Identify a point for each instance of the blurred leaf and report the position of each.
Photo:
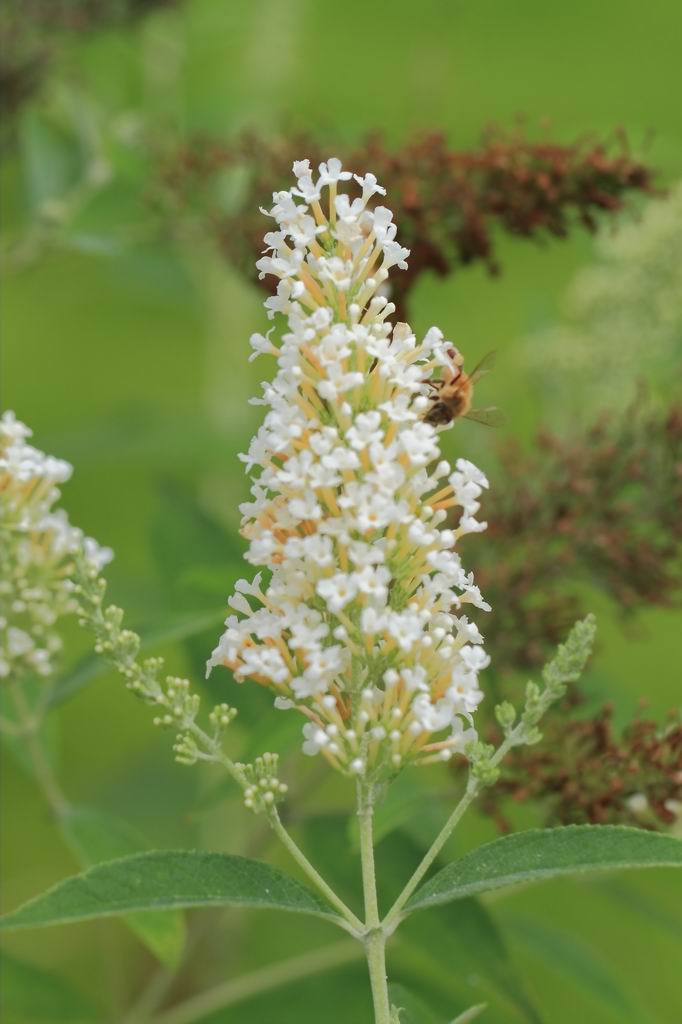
(50, 160)
(211, 581)
(98, 245)
(29, 991)
(334, 996)
(541, 854)
(299, 970)
(197, 558)
(278, 731)
(651, 910)
(96, 837)
(472, 941)
(567, 955)
(163, 880)
(413, 1009)
(471, 1014)
(186, 539)
(172, 629)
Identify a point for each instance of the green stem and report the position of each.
(42, 768)
(258, 981)
(375, 936)
(356, 925)
(392, 919)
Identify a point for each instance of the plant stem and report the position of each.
(375, 936)
(258, 981)
(393, 916)
(356, 925)
(39, 761)
(392, 919)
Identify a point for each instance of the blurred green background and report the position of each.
(127, 355)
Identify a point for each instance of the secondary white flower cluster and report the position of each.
(357, 620)
(36, 548)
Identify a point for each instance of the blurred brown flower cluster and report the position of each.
(31, 32)
(601, 508)
(447, 202)
(584, 770)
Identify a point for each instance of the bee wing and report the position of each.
(490, 417)
(483, 366)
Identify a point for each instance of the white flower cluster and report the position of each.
(36, 545)
(358, 618)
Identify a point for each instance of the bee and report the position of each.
(454, 394)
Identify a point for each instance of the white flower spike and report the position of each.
(358, 622)
(37, 545)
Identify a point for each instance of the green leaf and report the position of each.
(95, 837)
(164, 880)
(173, 629)
(29, 991)
(413, 1008)
(548, 853)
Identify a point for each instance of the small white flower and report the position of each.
(419, 444)
(316, 739)
(370, 187)
(366, 430)
(332, 172)
(373, 582)
(261, 344)
(474, 658)
(383, 225)
(337, 590)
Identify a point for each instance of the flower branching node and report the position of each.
(186, 750)
(505, 713)
(262, 788)
(221, 717)
(483, 768)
